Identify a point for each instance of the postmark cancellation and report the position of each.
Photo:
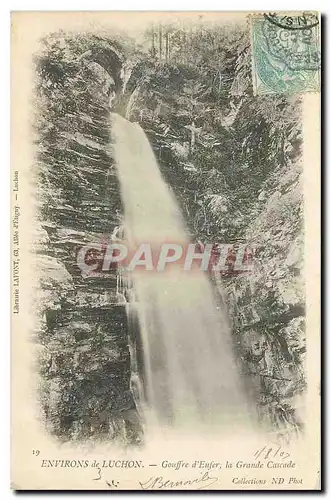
(286, 54)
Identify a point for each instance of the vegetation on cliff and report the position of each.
(232, 160)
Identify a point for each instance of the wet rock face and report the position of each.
(236, 177)
(239, 180)
(81, 335)
(111, 61)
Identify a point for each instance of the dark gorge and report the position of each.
(228, 183)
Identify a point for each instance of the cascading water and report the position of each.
(190, 374)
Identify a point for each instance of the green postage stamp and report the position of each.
(286, 54)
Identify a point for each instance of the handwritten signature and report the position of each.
(159, 482)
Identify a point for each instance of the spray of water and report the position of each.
(191, 376)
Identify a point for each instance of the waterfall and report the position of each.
(190, 371)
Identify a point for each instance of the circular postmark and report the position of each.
(293, 40)
(287, 51)
(304, 21)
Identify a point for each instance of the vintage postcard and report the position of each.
(165, 214)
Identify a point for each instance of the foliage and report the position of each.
(230, 157)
